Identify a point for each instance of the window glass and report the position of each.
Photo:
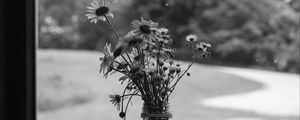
(252, 72)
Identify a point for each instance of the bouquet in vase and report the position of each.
(144, 58)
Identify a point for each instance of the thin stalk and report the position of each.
(121, 64)
(174, 77)
(128, 103)
(126, 60)
(146, 84)
(174, 85)
(131, 94)
(124, 94)
(117, 35)
(139, 87)
(143, 55)
(119, 71)
(129, 58)
(112, 26)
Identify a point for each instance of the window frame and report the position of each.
(18, 23)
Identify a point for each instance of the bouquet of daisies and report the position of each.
(144, 57)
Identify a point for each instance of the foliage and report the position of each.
(246, 33)
(261, 33)
(62, 25)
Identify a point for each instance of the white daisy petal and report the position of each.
(91, 8)
(111, 15)
(105, 2)
(154, 25)
(94, 4)
(100, 2)
(97, 4)
(88, 14)
(136, 23)
(91, 11)
(92, 20)
(89, 17)
(103, 19)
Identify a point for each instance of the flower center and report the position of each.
(145, 29)
(101, 11)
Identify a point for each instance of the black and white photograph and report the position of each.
(154, 60)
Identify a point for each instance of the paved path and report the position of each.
(82, 68)
(279, 96)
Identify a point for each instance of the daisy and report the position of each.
(144, 28)
(202, 46)
(162, 30)
(191, 38)
(128, 42)
(123, 41)
(118, 51)
(132, 41)
(115, 100)
(135, 41)
(100, 9)
(164, 39)
(150, 70)
(163, 54)
(107, 59)
(172, 69)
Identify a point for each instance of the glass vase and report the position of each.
(155, 112)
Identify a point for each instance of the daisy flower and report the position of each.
(164, 39)
(172, 69)
(150, 70)
(115, 100)
(143, 27)
(162, 30)
(108, 58)
(136, 41)
(202, 46)
(191, 38)
(128, 42)
(100, 9)
(123, 41)
(133, 41)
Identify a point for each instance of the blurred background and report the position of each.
(253, 73)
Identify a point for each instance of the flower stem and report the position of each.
(174, 85)
(131, 94)
(117, 35)
(119, 71)
(129, 58)
(112, 26)
(135, 92)
(123, 96)
(126, 60)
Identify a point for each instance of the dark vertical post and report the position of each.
(30, 59)
(2, 63)
(17, 60)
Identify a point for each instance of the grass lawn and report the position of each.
(69, 80)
